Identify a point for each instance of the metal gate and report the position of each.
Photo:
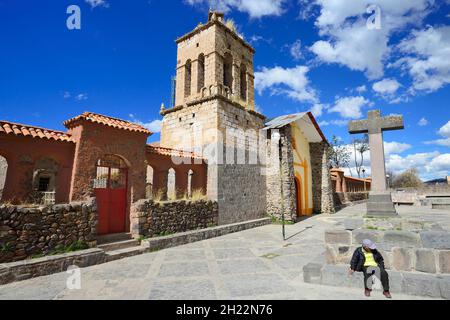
(110, 186)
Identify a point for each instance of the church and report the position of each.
(213, 141)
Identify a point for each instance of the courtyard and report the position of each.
(252, 264)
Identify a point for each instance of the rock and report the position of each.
(400, 239)
(444, 284)
(361, 234)
(330, 255)
(352, 224)
(425, 285)
(338, 237)
(425, 261)
(337, 276)
(312, 273)
(402, 259)
(444, 261)
(435, 239)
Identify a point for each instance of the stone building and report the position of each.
(212, 140)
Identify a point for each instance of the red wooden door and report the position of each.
(111, 193)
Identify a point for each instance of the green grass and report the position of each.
(6, 248)
(76, 246)
(276, 220)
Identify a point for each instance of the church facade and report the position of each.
(213, 140)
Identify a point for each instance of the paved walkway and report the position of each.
(252, 264)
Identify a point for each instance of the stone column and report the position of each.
(322, 188)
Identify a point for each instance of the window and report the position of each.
(44, 183)
(171, 186)
(228, 71)
(201, 73)
(243, 82)
(187, 78)
(3, 171)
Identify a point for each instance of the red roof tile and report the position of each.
(107, 121)
(172, 152)
(17, 129)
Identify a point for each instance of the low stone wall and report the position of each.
(344, 198)
(424, 251)
(27, 231)
(149, 218)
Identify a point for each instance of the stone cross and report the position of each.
(374, 126)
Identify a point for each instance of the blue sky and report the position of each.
(316, 54)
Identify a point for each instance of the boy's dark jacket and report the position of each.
(358, 259)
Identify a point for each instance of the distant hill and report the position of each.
(437, 181)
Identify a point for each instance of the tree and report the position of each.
(360, 146)
(408, 179)
(339, 156)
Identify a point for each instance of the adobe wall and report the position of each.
(22, 154)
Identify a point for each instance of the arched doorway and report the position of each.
(111, 186)
(298, 195)
(171, 185)
(3, 171)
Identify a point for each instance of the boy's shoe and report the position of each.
(367, 292)
(387, 294)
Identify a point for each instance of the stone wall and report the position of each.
(322, 188)
(27, 231)
(149, 218)
(426, 251)
(273, 179)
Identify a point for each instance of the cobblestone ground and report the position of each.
(253, 264)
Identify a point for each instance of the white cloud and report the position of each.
(66, 95)
(444, 131)
(317, 109)
(338, 123)
(97, 3)
(386, 86)
(81, 96)
(350, 107)
(296, 50)
(423, 122)
(292, 82)
(349, 42)
(395, 147)
(361, 89)
(254, 8)
(427, 59)
(154, 126)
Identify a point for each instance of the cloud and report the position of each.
(154, 126)
(338, 123)
(317, 109)
(444, 131)
(349, 42)
(361, 89)
(426, 60)
(386, 86)
(66, 95)
(422, 122)
(292, 82)
(350, 107)
(254, 8)
(97, 3)
(82, 97)
(296, 50)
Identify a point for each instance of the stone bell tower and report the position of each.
(214, 98)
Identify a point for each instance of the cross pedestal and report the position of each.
(380, 200)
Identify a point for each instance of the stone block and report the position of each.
(387, 256)
(425, 285)
(444, 261)
(312, 273)
(361, 234)
(353, 224)
(402, 259)
(444, 284)
(395, 238)
(330, 255)
(395, 281)
(435, 239)
(338, 237)
(337, 276)
(425, 261)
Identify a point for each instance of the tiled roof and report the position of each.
(172, 152)
(107, 121)
(17, 129)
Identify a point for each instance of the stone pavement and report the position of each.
(252, 264)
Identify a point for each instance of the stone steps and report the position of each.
(410, 283)
(124, 253)
(118, 245)
(113, 238)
